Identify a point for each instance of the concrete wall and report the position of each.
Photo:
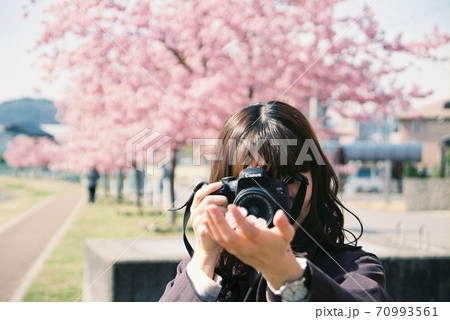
(426, 194)
(141, 281)
(128, 269)
(141, 274)
(418, 279)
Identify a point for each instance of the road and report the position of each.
(412, 233)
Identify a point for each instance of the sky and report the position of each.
(20, 75)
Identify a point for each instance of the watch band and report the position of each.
(307, 276)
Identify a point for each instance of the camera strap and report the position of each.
(187, 215)
(299, 197)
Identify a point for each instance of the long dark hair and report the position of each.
(274, 121)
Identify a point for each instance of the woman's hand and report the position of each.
(206, 250)
(266, 250)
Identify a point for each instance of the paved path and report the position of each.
(414, 233)
(24, 239)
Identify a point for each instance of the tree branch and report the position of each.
(180, 59)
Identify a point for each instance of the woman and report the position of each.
(239, 258)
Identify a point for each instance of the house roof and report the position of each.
(375, 151)
(435, 110)
(26, 129)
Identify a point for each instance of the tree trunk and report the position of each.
(173, 162)
(120, 186)
(138, 187)
(106, 184)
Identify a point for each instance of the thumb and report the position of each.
(280, 221)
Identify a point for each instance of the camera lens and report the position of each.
(257, 203)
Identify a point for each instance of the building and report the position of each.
(431, 125)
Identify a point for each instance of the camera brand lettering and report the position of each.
(252, 175)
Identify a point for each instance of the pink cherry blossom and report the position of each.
(181, 67)
(24, 151)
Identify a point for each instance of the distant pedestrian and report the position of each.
(92, 178)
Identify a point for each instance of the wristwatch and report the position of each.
(297, 290)
(293, 291)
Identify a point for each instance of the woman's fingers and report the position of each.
(197, 214)
(200, 226)
(204, 191)
(246, 227)
(215, 199)
(250, 227)
(203, 198)
(281, 222)
(251, 240)
(235, 221)
(220, 229)
(230, 218)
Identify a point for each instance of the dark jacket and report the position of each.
(92, 178)
(335, 275)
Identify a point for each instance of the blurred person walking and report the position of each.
(92, 177)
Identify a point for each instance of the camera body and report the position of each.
(259, 194)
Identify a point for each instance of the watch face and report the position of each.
(295, 291)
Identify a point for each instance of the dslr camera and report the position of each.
(254, 190)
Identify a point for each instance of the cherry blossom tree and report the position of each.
(181, 67)
(24, 151)
(188, 56)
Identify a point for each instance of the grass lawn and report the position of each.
(62, 275)
(24, 193)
